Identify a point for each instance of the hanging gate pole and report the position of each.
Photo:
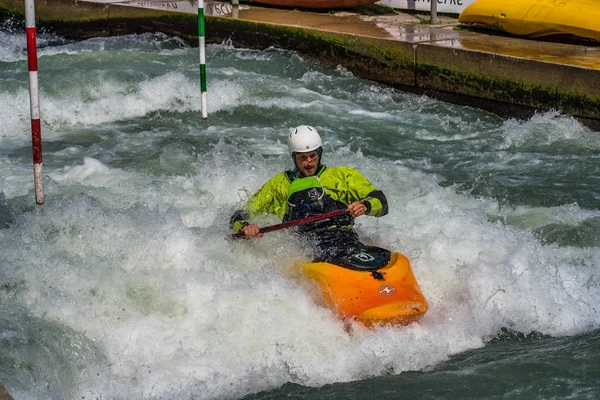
(202, 58)
(34, 101)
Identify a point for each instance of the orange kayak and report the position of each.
(371, 294)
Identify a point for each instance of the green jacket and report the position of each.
(344, 184)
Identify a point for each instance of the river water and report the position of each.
(122, 285)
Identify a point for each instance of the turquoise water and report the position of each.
(122, 285)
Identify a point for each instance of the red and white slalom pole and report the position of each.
(34, 101)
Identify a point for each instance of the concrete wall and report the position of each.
(433, 67)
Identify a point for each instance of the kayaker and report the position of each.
(309, 189)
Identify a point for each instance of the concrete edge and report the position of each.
(507, 86)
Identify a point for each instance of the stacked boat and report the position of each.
(537, 18)
(315, 4)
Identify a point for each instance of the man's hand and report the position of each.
(357, 209)
(252, 231)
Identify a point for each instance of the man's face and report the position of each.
(307, 162)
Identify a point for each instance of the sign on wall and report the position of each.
(443, 6)
(211, 8)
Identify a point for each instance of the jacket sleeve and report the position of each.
(376, 204)
(364, 191)
(271, 198)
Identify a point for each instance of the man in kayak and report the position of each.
(311, 189)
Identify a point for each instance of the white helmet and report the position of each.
(304, 138)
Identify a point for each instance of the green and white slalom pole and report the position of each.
(202, 58)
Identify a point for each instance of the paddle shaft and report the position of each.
(296, 222)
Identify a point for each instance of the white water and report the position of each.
(123, 285)
(174, 308)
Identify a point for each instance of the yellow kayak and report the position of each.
(373, 286)
(535, 18)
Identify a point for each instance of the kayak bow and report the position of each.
(373, 296)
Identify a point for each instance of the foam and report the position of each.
(194, 309)
(126, 277)
(550, 128)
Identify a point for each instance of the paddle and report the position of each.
(289, 224)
